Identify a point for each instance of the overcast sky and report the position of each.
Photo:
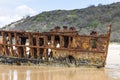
(13, 10)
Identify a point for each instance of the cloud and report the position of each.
(25, 10)
(114, 0)
(10, 15)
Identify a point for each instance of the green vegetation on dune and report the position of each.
(85, 20)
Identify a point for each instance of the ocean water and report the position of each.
(110, 72)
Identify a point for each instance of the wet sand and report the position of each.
(110, 72)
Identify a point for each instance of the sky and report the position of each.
(13, 10)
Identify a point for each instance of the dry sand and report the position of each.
(110, 72)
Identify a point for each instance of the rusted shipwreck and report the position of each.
(63, 46)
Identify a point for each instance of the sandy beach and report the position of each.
(110, 72)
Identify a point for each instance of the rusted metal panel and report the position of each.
(57, 44)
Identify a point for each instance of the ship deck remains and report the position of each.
(64, 45)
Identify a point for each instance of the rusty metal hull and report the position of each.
(65, 46)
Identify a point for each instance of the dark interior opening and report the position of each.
(35, 49)
(34, 41)
(93, 43)
(71, 38)
(21, 49)
(49, 38)
(41, 42)
(23, 40)
(57, 40)
(66, 41)
(41, 52)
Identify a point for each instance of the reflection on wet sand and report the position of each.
(52, 73)
(28, 75)
(110, 72)
(69, 74)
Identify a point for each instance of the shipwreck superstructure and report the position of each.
(62, 45)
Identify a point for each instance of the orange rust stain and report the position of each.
(1, 40)
(1, 43)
